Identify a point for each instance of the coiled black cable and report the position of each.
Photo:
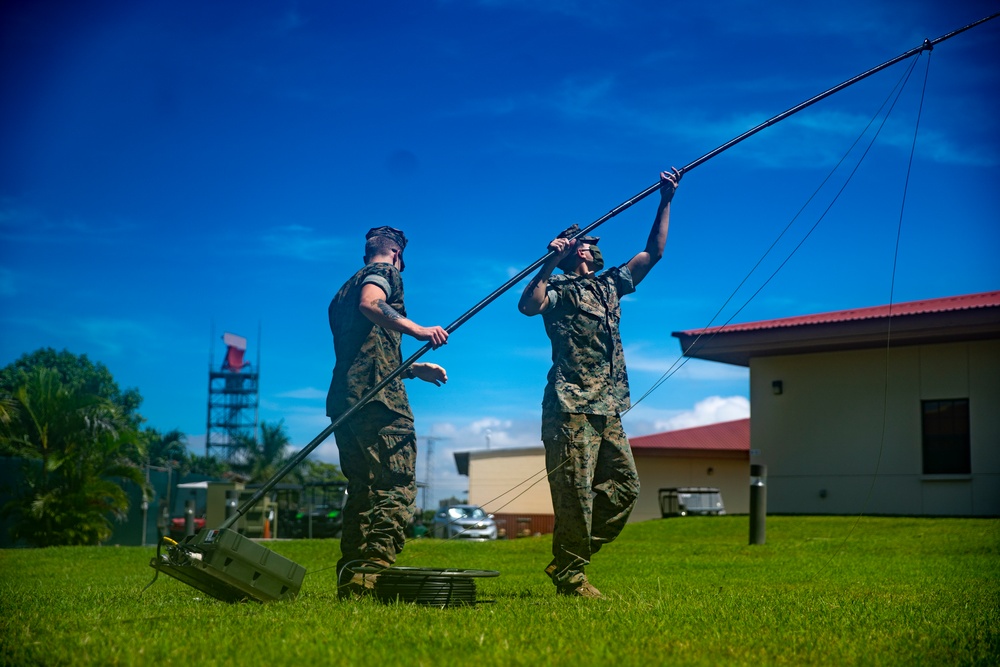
(429, 586)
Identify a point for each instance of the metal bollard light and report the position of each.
(189, 517)
(758, 503)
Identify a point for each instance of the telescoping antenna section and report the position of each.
(227, 566)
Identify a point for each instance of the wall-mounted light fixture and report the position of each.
(777, 387)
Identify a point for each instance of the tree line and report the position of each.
(78, 438)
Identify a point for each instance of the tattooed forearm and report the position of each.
(386, 309)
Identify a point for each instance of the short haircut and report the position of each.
(380, 245)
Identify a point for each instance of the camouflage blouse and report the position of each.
(366, 353)
(588, 366)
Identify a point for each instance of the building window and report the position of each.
(946, 437)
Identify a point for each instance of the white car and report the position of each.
(464, 522)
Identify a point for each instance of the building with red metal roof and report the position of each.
(951, 319)
(892, 409)
(716, 455)
(723, 440)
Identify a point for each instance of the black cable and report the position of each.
(155, 570)
(428, 586)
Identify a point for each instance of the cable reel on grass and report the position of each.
(432, 587)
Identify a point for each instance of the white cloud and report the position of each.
(293, 229)
(693, 369)
(637, 360)
(305, 393)
(438, 441)
(942, 149)
(711, 410)
(448, 436)
(699, 370)
(817, 138)
(303, 423)
(472, 434)
(196, 443)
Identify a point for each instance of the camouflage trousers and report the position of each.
(594, 487)
(378, 455)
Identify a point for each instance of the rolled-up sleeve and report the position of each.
(553, 297)
(625, 283)
(378, 281)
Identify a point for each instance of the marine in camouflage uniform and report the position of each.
(377, 443)
(592, 475)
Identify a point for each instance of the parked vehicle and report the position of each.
(322, 521)
(178, 527)
(464, 522)
(691, 501)
(319, 513)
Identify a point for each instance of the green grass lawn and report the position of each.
(830, 590)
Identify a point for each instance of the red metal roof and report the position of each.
(947, 304)
(731, 436)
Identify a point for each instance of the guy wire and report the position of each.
(541, 474)
(897, 89)
(888, 330)
(670, 371)
(299, 456)
(927, 46)
(681, 360)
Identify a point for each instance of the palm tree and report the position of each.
(75, 444)
(316, 472)
(166, 448)
(211, 466)
(261, 460)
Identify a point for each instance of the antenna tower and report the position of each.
(233, 399)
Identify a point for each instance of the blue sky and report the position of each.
(171, 171)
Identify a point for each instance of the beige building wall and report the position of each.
(215, 503)
(509, 481)
(730, 476)
(494, 474)
(834, 427)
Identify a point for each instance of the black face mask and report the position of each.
(598, 263)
